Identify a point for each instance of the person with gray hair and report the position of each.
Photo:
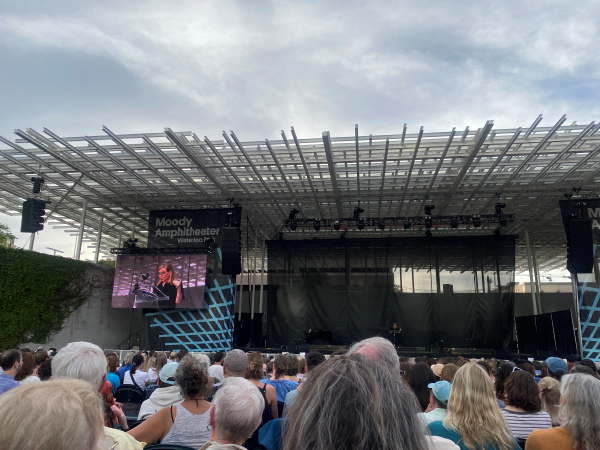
(235, 413)
(578, 414)
(377, 349)
(350, 403)
(126, 364)
(86, 361)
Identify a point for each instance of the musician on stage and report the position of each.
(393, 333)
(168, 285)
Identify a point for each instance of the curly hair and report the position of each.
(255, 366)
(193, 379)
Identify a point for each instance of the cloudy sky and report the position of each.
(257, 67)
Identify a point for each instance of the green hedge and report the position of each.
(38, 292)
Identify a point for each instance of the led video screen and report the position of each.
(157, 281)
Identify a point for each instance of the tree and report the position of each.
(6, 237)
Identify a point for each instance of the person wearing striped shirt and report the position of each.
(523, 410)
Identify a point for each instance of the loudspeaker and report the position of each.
(231, 251)
(580, 257)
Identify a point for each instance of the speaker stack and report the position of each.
(580, 256)
(231, 251)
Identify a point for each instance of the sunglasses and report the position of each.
(515, 369)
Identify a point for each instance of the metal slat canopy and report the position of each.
(122, 177)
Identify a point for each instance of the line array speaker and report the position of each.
(231, 251)
(580, 256)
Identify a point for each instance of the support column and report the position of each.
(262, 278)
(81, 228)
(578, 318)
(120, 244)
(538, 286)
(98, 240)
(253, 280)
(31, 239)
(133, 232)
(241, 295)
(530, 267)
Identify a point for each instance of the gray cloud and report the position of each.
(259, 67)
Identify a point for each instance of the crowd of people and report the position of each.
(364, 397)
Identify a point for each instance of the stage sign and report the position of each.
(188, 227)
(159, 281)
(587, 209)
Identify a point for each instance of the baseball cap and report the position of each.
(557, 365)
(236, 361)
(168, 371)
(441, 390)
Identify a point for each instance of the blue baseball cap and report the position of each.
(441, 390)
(557, 365)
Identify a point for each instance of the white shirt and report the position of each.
(439, 443)
(30, 379)
(152, 374)
(139, 377)
(216, 371)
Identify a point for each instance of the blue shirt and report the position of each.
(438, 429)
(7, 383)
(113, 378)
(282, 387)
(122, 371)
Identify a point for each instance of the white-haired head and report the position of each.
(237, 410)
(203, 359)
(377, 349)
(81, 360)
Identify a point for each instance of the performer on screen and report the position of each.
(168, 285)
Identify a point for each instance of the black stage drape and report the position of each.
(442, 291)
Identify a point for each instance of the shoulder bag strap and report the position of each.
(133, 380)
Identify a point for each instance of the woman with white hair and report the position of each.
(61, 414)
(579, 415)
(235, 413)
(474, 421)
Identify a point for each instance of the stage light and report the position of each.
(343, 235)
(337, 225)
(476, 220)
(454, 222)
(499, 207)
(428, 209)
(503, 220)
(428, 221)
(293, 213)
(406, 225)
(317, 225)
(381, 224)
(360, 224)
(293, 224)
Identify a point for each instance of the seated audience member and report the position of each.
(112, 375)
(557, 367)
(550, 398)
(422, 376)
(235, 364)
(235, 413)
(167, 393)
(589, 363)
(270, 368)
(63, 414)
(292, 372)
(159, 361)
(438, 401)
(45, 370)
(313, 359)
(301, 368)
(406, 372)
(437, 371)
(173, 357)
(502, 373)
(40, 356)
(11, 362)
(279, 382)
(448, 372)
(135, 376)
(216, 370)
(378, 349)
(203, 359)
(579, 413)
(579, 368)
(126, 365)
(523, 410)
(254, 375)
(474, 421)
(87, 362)
(353, 403)
(185, 423)
(28, 372)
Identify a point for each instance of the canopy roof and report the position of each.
(122, 177)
